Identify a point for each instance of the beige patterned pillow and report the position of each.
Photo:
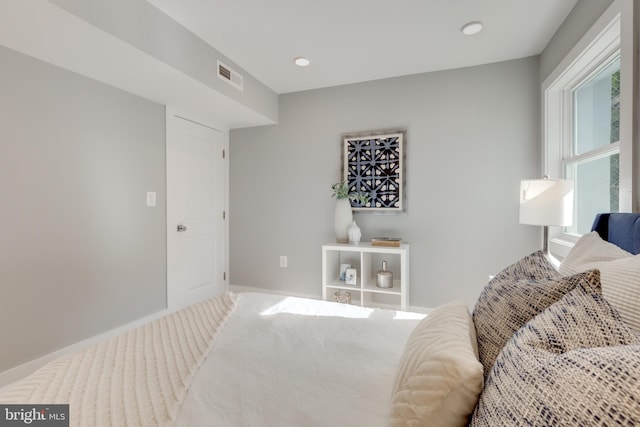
(533, 266)
(506, 304)
(574, 364)
(439, 377)
(619, 274)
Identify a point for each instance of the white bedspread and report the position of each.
(137, 378)
(284, 361)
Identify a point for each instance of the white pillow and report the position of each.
(439, 377)
(619, 274)
(589, 249)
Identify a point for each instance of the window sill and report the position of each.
(560, 245)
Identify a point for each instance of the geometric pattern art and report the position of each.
(373, 164)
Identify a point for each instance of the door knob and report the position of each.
(182, 228)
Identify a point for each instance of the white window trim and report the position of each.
(613, 31)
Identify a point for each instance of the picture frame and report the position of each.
(343, 271)
(351, 277)
(373, 163)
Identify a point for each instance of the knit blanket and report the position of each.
(138, 378)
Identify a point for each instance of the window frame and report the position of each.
(614, 33)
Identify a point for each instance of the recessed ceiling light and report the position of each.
(471, 28)
(301, 61)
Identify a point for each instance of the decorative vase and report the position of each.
(354, 233)
(342, 219)
(384, 278)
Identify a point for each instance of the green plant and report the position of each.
(341, 191)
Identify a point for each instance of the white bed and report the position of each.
(284, 361)
(236, 360)
(265, 360)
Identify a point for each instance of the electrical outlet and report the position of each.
(283, 261)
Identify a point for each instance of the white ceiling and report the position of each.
(351, 41)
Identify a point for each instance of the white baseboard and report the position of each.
(14, 374)
(239, 289)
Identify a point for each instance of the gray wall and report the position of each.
(472, 135)
(79, 253)
(584, 14)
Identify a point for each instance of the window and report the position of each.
(588, 122)
(593, 153)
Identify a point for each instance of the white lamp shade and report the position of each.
(546, 202)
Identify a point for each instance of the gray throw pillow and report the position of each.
(576, 363)
(514, 297)
(533, 266)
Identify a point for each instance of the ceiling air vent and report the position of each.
(230, 75)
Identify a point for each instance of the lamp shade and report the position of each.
(546, 202)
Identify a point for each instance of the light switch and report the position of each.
(151, 198)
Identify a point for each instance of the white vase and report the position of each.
(342, 219)
(354, 233)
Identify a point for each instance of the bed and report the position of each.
(534, 337)
(284, 361)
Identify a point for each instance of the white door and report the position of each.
(196, 183)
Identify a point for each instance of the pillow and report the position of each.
(619, 274)
(533, 266)
(439, 377)
(588, 249)
(506, 304)
(576, 363)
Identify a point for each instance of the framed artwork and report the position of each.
(374, 164)
(343, 270)
(351, 276)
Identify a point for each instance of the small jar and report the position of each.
(354, 233)
(384, 278)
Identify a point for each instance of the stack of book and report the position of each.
(393, 242)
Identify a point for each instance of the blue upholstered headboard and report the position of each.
(621, 229)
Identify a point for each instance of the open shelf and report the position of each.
(367, 260)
